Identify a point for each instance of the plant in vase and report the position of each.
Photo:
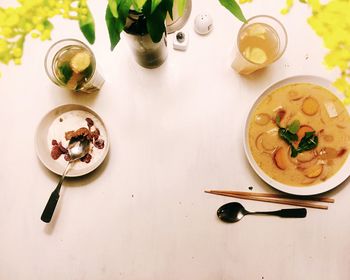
(145, 23)
(33, 18)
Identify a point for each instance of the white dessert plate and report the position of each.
(53, 127)
(324, 186)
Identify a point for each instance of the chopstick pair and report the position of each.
(276, 198)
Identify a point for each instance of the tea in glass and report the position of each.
(71, 64)
(261, 41)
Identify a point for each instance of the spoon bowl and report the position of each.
(233, 212)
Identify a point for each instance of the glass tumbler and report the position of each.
(70, 64)
(261, 41)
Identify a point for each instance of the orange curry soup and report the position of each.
(314, 111)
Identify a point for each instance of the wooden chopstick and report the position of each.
(287, 201)
(276, 195)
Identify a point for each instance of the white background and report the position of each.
(174, 132)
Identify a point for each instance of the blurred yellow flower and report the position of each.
(331, 21)
(31, 17)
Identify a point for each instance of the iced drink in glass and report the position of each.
(71, 64)
(261, 41)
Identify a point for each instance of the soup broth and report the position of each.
(299, 134)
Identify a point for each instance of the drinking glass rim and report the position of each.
(57, 81)
(262, 16)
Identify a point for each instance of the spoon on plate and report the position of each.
(77, 148)
(233, 212)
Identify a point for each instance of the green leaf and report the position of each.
(287, 136)
(294, 126)
(138, 4)
(234, 8)
(113, 28)
(116, 25)
(278, 120)
(87, 27)
(308, 142)
(181, 4)
(66, 72)
(155, 21)
(293, 152)
(168, 5)
(113, 7)
(155, 4)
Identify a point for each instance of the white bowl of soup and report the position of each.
(297, 136)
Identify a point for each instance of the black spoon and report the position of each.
(232, 212)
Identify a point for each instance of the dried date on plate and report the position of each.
(63, 149)
(99, 144)
(95, 134)
(56, 152)
(89, 122)
(92, 136)
(87, 158)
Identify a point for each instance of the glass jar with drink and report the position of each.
(260, 41)
(71, 64)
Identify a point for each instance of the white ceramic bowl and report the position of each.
(43, 139)
(327, 185)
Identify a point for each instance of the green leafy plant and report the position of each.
(154, 11)
(32, 17)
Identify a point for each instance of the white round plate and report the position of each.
(327, 185)
(54, 125)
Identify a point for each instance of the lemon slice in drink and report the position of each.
(255, 55)
(257, 30)
(80, 62)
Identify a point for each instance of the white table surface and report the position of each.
(174, 132)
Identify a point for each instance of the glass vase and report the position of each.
(147, 53)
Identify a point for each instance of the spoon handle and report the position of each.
(51, 205)
(52, 202)
(287, 213)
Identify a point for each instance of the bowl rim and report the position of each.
(327, 185)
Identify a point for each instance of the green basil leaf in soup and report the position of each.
(287, 136)
(308, 142)
(294, 152)
(294, 126)
(278, 120)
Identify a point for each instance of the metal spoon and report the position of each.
(232, 212)
(77, 148)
